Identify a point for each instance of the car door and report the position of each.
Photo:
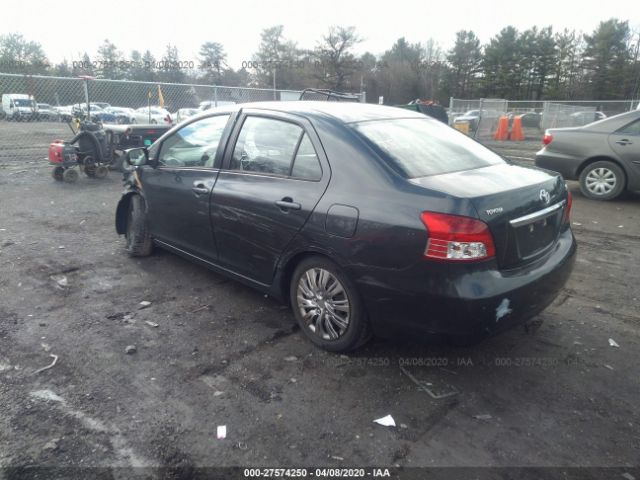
(177, 190)
(274, 174)
(626, 143)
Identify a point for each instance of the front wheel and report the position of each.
(137, 234)
(603, 180)
(58, 173)
(327, 306)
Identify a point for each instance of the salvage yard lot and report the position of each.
(554, 394)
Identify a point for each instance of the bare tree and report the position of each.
(334, 57)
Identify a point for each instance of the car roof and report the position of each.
(344, 112)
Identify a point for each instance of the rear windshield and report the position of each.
(421, 147)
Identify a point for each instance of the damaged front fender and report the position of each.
(132, 187)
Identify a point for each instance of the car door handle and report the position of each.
(623, 142)
(200, 188)
(287, 204)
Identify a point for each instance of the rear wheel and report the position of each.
(603, 180)
(101, 171)
(327, 306)
(137, 234)
(70, 175)
(89, 166)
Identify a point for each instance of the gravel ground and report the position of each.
(211, 352)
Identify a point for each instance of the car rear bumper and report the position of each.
(465, 301)
(566, 165)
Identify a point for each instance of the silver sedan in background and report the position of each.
(604, 156)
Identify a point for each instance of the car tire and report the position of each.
(317, 287)
(70, 175)
(137, 234)
(101, 171)
(602, 180)
(57, 173)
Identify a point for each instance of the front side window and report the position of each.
(422, 147)
(266, 145)
(194, 145)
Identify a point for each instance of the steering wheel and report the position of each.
(171, 161)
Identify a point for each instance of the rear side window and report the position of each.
(306, 165)
(266, 145)
(631, 129)
(422, 147)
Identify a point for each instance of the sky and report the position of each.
(66, 29)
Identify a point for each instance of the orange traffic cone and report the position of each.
(502, 132)
(516, 131)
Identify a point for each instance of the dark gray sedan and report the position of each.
(604, 156)
(365, 219)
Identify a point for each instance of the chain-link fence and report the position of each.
(36, 109)
(477, 117)
(556, 115)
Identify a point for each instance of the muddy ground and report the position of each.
(554, 395)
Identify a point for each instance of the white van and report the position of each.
(19, 106)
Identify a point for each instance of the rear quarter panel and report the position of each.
(570, 148)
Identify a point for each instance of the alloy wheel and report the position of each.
(323, 303)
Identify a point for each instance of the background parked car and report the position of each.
(65, 113)
(584, 118)
(473, 118)
(529, 119)
(97, 113)
(604, 156)
(184, 113)
(207, 104)
(123, 115)
(152, 115)
(46, 112)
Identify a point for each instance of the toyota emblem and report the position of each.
(545, 196)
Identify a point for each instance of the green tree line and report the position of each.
(534, 64)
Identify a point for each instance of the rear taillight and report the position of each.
(546, 140)
(457, 238)
(566, 217)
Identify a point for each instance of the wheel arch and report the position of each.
(122, 210)
(289, 264)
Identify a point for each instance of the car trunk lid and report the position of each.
(523, 207)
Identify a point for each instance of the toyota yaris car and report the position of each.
(366, 219)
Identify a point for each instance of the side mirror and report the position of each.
(136, 157)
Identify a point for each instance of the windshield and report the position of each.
(22, 102)
(421, 147)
